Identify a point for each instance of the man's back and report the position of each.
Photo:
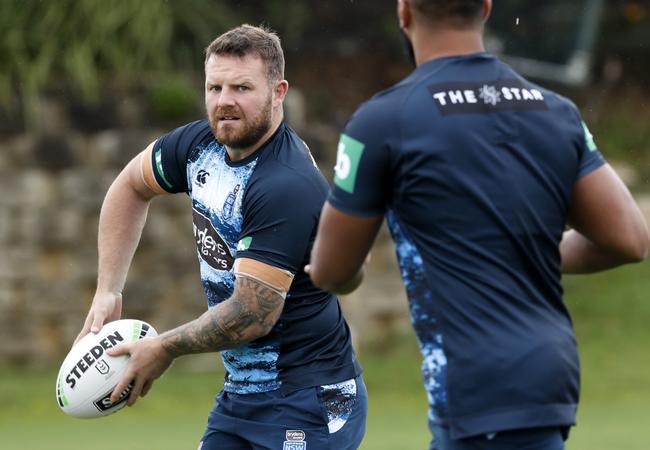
(478, 173)
(479, 166)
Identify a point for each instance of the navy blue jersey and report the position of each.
(265, 207)
(474, 167)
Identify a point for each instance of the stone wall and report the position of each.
(52, 188)
(50, 204)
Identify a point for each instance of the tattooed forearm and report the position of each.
(249, 313)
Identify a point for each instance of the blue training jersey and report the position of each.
(474, 168)
(265, 207)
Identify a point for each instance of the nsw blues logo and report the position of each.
(294, 445)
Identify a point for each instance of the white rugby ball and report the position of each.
(88, 375)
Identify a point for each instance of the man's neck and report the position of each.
(446, 42)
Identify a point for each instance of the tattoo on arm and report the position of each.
(249, 313)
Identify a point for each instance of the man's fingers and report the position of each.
(307, 268)
(98, 323)
(146, 387)
(125, 382)
(136, 391)
(122, 349)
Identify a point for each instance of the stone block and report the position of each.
(37, 188)
(10, 186)
(85, 189)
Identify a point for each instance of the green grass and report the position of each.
(610, 312)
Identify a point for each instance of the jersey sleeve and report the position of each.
(279, 220)
(361, 184)
(169, 155)
(591, 158)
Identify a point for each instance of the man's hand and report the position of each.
(106, 307)
(148, 362)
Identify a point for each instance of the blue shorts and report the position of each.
(527, 439)
(318, 418)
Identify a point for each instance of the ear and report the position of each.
(279, 91)
(404, 13)
(487, 9)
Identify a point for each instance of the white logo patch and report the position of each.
(486, 96)
(295, 440)
(295, 435)
(489, 94)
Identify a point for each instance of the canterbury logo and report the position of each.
(202, 176)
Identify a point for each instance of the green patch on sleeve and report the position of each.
(347, 162)
(244, 243)
(589, 138)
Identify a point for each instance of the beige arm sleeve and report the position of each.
(274, 277)
(146, 169)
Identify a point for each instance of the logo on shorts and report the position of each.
(295, 440)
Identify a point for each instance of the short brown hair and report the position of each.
(250, 40)
(457, 12)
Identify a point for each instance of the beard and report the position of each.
(246, 132)
(408, 47)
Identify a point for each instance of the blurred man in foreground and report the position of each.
(478, 172)
(292, 378)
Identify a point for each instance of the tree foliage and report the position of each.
(92, 47)
(91, 44)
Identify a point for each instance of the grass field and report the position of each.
(610, 312)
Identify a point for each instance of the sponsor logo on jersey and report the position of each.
(589, 138)
(212, 248)
(295, 440)
(478, 97)
(89, 359)
(201, 177)
(348, 156)
(244, 243)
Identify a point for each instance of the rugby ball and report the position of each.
(88, 375)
